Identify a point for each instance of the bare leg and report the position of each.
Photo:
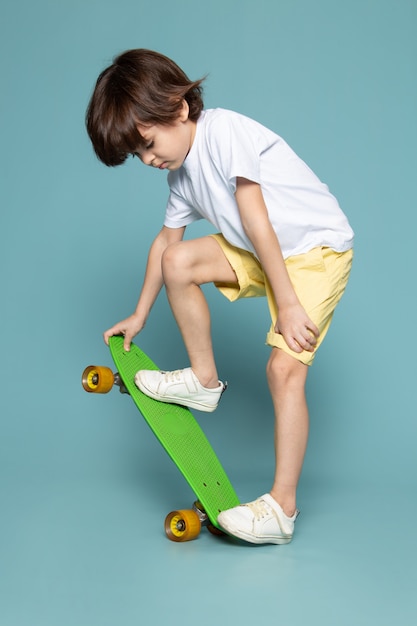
(187, 265)
(286, 378)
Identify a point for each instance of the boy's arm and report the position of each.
(151, 287)
(293, 323)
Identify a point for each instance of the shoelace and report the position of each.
(260, 509)
(171, 377)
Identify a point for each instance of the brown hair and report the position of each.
(140, 86)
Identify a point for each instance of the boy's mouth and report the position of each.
(161, 166)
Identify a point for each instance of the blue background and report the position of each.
(84, 487)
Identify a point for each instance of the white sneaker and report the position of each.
(261, 521)
(179, 387)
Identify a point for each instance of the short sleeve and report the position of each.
(178, 211)
(236, 144)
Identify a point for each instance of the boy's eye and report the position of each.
(139, 152)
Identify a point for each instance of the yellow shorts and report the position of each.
(319, 278)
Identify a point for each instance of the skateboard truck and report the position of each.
(198, 508)
(118, 381)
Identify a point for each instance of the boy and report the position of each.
(281, 234)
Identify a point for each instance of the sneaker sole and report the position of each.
(255, 538)
(173, 400)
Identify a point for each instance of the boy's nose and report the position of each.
(147, 159)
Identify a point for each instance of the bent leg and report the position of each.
(186, 265)
(286, 379)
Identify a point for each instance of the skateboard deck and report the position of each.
(181, 436)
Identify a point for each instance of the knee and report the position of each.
(173, 262)
(285, 371)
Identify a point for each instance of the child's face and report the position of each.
(167, 146)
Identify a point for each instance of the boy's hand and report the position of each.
(129, 327)
(299, 332)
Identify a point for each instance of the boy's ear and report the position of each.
(184, 112)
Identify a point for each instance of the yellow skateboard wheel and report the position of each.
(97, 379)
(182, 525)
(215, 531)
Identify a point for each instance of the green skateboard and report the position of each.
(179, 434)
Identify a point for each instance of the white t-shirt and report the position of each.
(226, 145)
